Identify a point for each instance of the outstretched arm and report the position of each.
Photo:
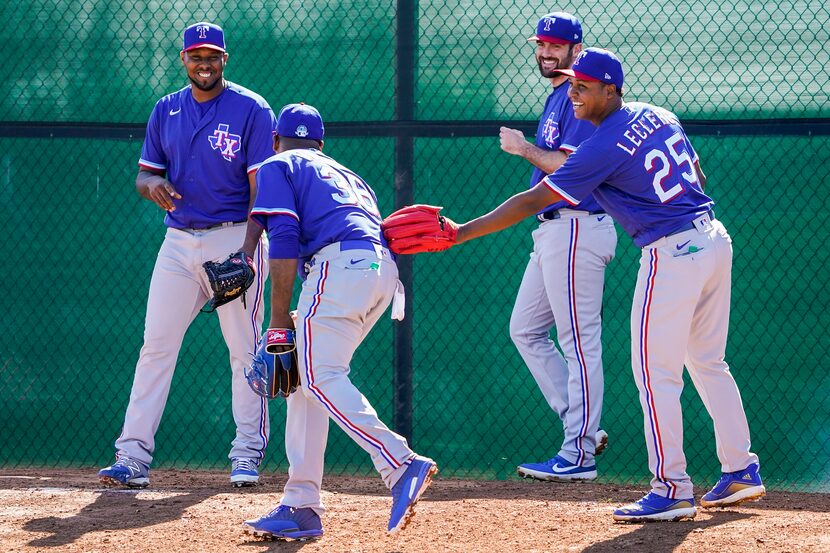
(515, 209)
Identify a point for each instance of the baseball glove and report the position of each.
(229, 279)
(419, 228)
(274, 370)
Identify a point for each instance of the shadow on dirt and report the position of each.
(659, 537)
(281, 546)
(113, 510)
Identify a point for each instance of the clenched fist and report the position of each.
(512, 141)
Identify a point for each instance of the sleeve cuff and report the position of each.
(568, 198)
(274, 211)
(258, 219)
(151, 165)
(255, 167)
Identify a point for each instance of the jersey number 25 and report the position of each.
(665, 169)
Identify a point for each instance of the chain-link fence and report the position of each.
(750, 82)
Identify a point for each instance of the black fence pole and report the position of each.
(406, 60)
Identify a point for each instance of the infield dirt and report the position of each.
(199, 511)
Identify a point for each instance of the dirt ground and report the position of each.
(199, 511)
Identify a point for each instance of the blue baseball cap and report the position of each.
(596, 64)
(204, 35)
(558, 28)
(300, 121)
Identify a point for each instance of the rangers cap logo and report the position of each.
(558, 28)
(203, 35)
(300, 121)
(596, 64)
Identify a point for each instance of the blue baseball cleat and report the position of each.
(244, 472)
(125, 472)
(407, 491)
(736, 487)
(286, 522)
(557, 470)
(654, 508)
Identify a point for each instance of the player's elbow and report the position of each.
(539, 197)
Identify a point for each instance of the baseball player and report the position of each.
(642, 169)
(203, 147)
(563, 282)
(322, 213)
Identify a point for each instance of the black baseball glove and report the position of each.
(229, 279)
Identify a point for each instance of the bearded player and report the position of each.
(564, 278)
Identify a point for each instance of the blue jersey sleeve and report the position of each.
(152, 154)
(261, 138)
(584, 170)
(275, 209)
(284, 237)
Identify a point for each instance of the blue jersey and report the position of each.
(559, 129)
(306, 201)
(207, 150)
(639, 164)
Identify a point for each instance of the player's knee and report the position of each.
(312, 391)
(519, 332)
(157, 347)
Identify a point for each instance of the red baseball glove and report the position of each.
(418, 228)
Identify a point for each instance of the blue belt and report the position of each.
(691, 224)
(346, 245)
(552, 214)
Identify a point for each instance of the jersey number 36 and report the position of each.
(351, 189)
(656, 160)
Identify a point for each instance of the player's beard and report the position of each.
(560, 64)
(205, 87)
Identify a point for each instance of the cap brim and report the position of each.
(204, 45)
(577, 75)
(550, 39)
